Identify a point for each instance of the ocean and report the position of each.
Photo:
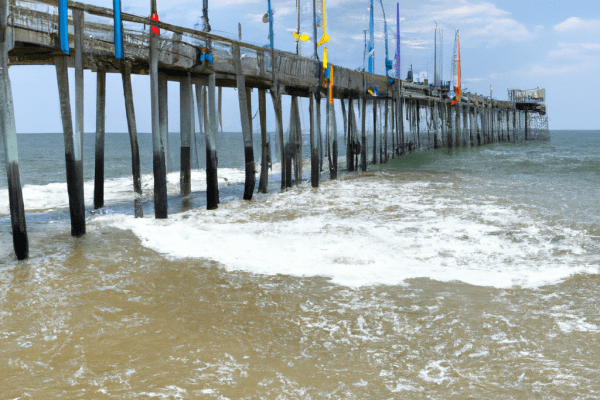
(470, 273)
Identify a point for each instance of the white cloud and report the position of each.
(575, 23)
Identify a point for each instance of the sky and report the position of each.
(506, 44)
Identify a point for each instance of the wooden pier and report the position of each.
(75, 35)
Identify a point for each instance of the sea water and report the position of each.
(469, 273)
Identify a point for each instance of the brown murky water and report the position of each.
(470, 275)
(105, 316)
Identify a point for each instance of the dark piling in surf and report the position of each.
(375, 105)
(212, 183)
(363, 152)
(133, 139)
(73, 154)
(246, 125)
(314, 148)
(158, 99)
(263, 183)
(7, 119)
(185, 132)
(100, 139)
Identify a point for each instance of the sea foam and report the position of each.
(373, 230)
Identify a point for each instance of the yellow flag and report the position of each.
(323, 40)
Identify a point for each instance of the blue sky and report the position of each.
(521, 44)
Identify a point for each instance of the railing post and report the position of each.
(63, 26)
(118, 29)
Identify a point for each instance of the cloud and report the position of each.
(575, 23)
(570, 50)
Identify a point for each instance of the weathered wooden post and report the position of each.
(385, 131)
(100, 138)
(345, 120)
(163, 110)
(350, 142)
(363, 150)
(418, 122)
(73, 145)
(314, 148)
(318, 131)
(375, 105)
(394, 128)
(507, 125)
(246, 127)
(133, 140)
(11, 154)
(185, 131)
(212, 183)
(526, 124)
(264, 163)
(514, 123)
(400, 117)
(332, 130)
(277, 106)
(295, 141)
(465, 126)
(157, 98)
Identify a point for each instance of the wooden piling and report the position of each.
(11, 154)
(363, 150)
(133, 140)
(514, 124)
(157, 97)
(185, 132)
(276, 99)
(350, 143)
(100, 138)
(526, 125)
(314, 148)
(394, 128)
(212, 183)
(318, 131)
(264, 164)
(78, 21)
(163, 110)
(246, 125)
(385, 131)
(295, 140)
(73, 153)
(332, 132)
(375, 105)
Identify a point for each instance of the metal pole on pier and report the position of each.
(11, 154)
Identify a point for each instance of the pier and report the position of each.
(415, 117)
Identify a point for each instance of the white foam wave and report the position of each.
(54, 196)
(369, 231)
